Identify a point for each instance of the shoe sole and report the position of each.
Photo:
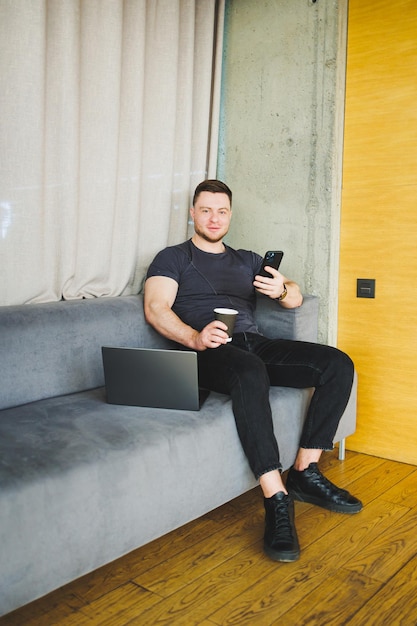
(282, 557)
(331, 506)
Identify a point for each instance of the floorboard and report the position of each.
(354, 569)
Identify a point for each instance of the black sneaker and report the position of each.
(311, 486)
(280, 539)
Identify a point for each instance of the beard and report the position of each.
(215, 238)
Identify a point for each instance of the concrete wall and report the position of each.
(281, 136)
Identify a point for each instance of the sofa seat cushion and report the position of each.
(54, 435)
(83, 482)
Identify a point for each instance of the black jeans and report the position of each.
(245, 369)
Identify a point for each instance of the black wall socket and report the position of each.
(365, 288)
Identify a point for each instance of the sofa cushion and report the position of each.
(83, 482)
(54, 349)
(276, 322)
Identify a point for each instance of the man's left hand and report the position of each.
(278, 284)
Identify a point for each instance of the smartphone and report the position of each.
(272, 258)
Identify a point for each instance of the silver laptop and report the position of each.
(156, 378)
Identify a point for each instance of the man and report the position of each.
(184, 284)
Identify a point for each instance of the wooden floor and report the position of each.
(354, 569)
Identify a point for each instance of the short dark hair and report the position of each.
(213, 186)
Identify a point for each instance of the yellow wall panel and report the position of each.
(379, 224)
(381, 137)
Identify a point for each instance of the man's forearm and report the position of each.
(168, 324)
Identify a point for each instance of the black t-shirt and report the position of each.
(206, 281)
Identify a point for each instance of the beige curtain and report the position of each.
(108, 120)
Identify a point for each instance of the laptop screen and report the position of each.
(151, 377)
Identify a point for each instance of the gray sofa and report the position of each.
(83, 482)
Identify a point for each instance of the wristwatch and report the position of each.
(284, 294)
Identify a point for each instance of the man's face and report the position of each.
(211, 215)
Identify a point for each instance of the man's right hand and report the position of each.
(212, 336)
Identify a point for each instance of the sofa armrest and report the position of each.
(278, 323)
